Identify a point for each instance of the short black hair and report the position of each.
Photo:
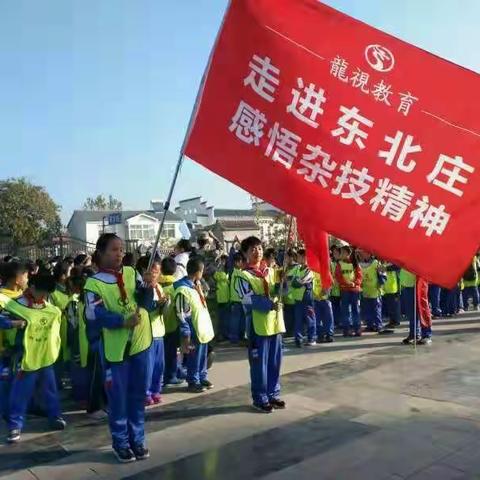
(43, 282)
(238, 257)
(270, 253)
(80, 259)
(185, 245)
(168, 266)
(194, 265)
(292, 253)
(302, 252)
(10, 270)
(202, 242)
(128, 259)
(250, 242)
(103, 240)
(60, 269)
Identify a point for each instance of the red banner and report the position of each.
(370, 138)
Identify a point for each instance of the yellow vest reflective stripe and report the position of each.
(156, 318)
(61, 300)
(348, 272)
(318, 288)
(391, 284)
(234, 297)
(407, 279)
(370, 284)
(222, 287)
(264, 323)
(115, 340)
(41, 338)
(82, 334)
(201, 320)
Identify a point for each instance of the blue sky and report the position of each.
(95, 95)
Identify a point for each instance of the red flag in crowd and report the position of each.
(348, 128)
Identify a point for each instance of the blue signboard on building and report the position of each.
(115, 218)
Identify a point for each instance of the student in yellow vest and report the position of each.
(264, 328)
(335, 254)
(120, 326)
(222, 293)
(323, 311)
(156, 365)
(196, 328)
(173, 374)
(237, 322)
(40, 331)
(408, 283)
(61, 298)
(391, 297)
(14, 280)
(470, 285)
(291, 265)
(372, 281)
(86, 367)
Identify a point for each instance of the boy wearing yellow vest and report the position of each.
(391, 297)
(222, 293)
(470, 285)
(264, 328)
(373, 279)
(196, 328)
(237, 323)
(118, 321)
(39, 324)
(302, 286)
(14, 278)
(335, 292)
(323, 311)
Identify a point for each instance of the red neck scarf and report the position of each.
(31, 301)
(120, 282)
(261, 272)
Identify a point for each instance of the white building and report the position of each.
(139, 225)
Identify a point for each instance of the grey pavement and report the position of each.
(366, 408)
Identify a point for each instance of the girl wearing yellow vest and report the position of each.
(264, 328)
(40, 323)
(156, 364)
(120, 328)
(196, 328)
(14, 278)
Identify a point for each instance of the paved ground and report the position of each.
(358, 409)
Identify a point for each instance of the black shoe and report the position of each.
(141, 452)
(278, 404)
(196, 388)
(124, 455)
(322, 339)
(385, 331)
(409, 340)
(57, 423)
(207, 384)
(13, 436)
(329, 339)
(264, 408)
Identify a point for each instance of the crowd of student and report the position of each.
(119, 334)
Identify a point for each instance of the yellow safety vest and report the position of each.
(41, 338)
(115, 340)
(201, 321)
(61, 300)
(407, 279)
(234, 297)
(335, 287)
(370, 284)
(318, 288)
(170, 318)
(264, 323)
(222, 287)
(156, 318)
(391, 284)
(7, 337)
(348, 272)
(82, 334)
(289, 298)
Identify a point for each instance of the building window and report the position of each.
(168, 230)
(142, 232)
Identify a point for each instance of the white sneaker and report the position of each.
(310, 344)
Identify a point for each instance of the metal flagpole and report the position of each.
(193, 115)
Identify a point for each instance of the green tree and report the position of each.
(101, 203)
(28, 214)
